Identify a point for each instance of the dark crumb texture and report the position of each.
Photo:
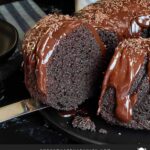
(111, 41)
(141, 113)
(84, 123)
(73, 71)
(141, 110)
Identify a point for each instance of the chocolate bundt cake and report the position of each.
(116, 20)
(125, 96)
(62, 58)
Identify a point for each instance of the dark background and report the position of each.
(49, 5)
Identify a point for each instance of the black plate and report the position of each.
(8, 38)
(115, 134)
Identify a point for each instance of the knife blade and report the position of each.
(20, 108)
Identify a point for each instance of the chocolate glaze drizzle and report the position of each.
(72, 113)
(49, 23)
(127, 18)
(124, 67)
(46, 46)
(48, 43)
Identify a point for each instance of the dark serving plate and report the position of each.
(8, 39)
(114, 135)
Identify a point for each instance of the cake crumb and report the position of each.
(84, 123)
(103, 131)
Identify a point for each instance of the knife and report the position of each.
(20, 108)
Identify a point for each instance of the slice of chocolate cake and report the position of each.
(62, 61)
(125, 96)
(116, 20)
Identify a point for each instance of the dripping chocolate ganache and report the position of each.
(125, 96)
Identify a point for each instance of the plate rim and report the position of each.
(15, 42)
(74, 136)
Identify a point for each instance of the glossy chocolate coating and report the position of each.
(48, 43)
(128, 18)
(48, 24)
(121, 73)
(44, 46)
